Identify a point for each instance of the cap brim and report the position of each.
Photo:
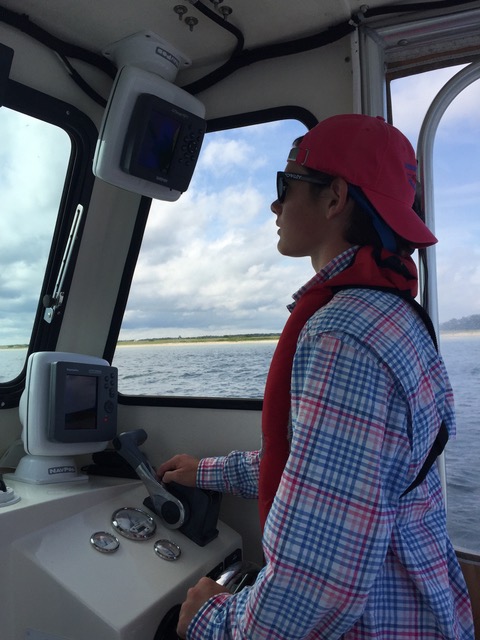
(402, 219)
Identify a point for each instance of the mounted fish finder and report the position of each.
(68, 408)
(152, 130)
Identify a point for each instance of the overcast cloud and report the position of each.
(457, 185)
(219, 270)
(209, 263)
(33, 160)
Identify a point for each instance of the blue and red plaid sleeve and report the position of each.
(236, 473)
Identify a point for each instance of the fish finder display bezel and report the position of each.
(138, 102)
(45, 404)
(162, 142)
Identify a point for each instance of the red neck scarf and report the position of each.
(370, 268)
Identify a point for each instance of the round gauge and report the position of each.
(134, 524)
(167, 549)
(104, 542)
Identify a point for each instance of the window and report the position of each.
(457, 202)
(34, 157)
(209, 269)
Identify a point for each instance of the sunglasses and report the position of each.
(282, 182)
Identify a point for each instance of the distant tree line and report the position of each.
(470, 323)
(243, 337)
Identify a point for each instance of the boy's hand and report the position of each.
(196, 598)
(181, 468)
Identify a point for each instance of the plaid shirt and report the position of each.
(347, 556)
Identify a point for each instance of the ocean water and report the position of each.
(462, 357)
(224, 369)
(240, 369)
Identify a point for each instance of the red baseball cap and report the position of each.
(375, 156)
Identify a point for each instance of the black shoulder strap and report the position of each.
(437, 448)
(442, 435)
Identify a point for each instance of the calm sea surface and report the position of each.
(239, 370)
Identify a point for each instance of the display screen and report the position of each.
(69, 406)
(158, 142)
(162, 142)
(80, 402)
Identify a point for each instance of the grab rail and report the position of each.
(426, 139)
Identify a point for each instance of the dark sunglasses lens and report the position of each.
(281, 187)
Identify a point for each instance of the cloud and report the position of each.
(411, 98)
(33, 161)
(209, 262)
(224, 156)
(456, 183)
(220, 274)
(212, 267)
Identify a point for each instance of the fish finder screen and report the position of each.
(162, 142)
(80, 402)
(158, 142)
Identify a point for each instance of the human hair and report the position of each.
(360, 229)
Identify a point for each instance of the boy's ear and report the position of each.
(339, 197)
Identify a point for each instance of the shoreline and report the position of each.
(473, 333)
(186, 342)
(213, 340)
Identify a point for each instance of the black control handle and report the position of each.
(166, 505)
(192, 510)
(127, 444)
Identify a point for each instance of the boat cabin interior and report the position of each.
(91, 221)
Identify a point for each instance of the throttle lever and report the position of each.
(229, 573)
(167, 506)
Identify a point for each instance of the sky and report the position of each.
(456, 183)
(33, 160)
(209, 263)
(219, 272)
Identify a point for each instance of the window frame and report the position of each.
(77, 189)
(263, 116)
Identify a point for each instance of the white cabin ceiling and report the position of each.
(263, 25)
(95, 25)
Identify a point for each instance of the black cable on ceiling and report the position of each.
(239, 58)
(64, 50)
(221, 23)
(22, 22)
(83, 84)
(248, 57)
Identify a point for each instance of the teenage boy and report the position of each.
(357, 397)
